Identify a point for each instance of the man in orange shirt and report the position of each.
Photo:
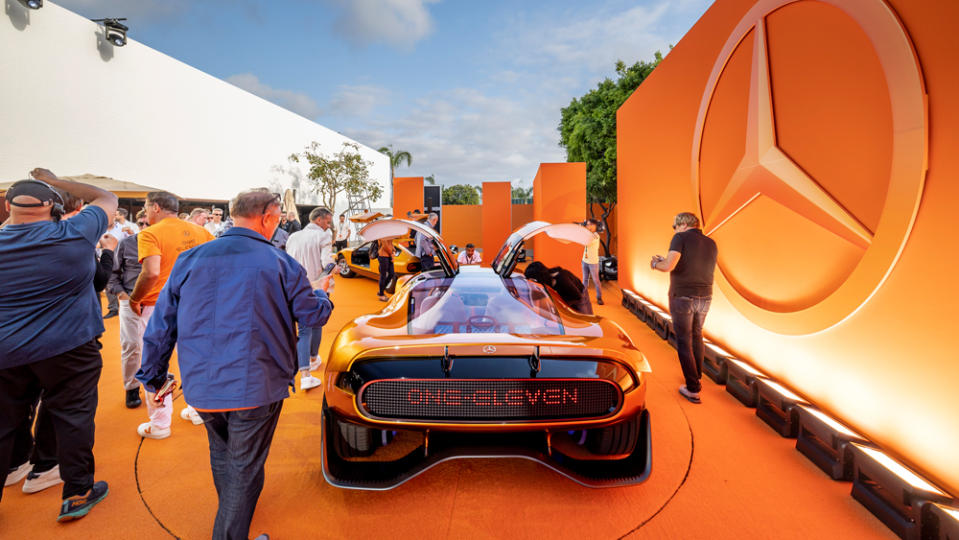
(158, 247)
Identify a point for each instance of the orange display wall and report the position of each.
(497, 217)
(816, 140)
(462, 225)
(407, 195)
(522, 214)
(559, 195)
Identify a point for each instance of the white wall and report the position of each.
(74, 105)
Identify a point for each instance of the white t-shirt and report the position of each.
(117, 230)
(343, 232)
(463, 258)
(311, 247)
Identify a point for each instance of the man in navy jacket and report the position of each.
(230, 307)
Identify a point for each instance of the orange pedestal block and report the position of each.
(559, 195)
(407, 195)
(497, 217)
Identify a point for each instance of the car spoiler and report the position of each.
(505, 260)
(397, 228)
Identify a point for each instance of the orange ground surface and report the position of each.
(718, 472)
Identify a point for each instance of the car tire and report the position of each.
(617, 439)
(344, 268)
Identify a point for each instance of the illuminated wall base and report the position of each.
(896, 499)
(910, 506)
(714, 363)
(826, 443)
(742, 382)
(940, 522)
(777, 407)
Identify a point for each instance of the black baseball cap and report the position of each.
(37, 189)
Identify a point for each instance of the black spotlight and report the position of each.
(115, 31)
(32, 4)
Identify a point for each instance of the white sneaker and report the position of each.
(40, 481)
(315, 365)
(189, 413)
(149, 431)
(15, 475)
(309, 381)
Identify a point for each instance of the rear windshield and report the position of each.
(482, 304)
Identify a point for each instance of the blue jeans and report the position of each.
(592, 270)
(239, 444)
(427, 262)
(689, 314)
(307, 345)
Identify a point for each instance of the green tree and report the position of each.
(397, 157)
(342, 173)
(461, 194)
(522, 194)
(588, 133)
(431, 180)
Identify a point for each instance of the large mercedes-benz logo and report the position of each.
(767, 170)
(489, 349)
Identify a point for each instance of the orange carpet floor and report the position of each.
(718, 472)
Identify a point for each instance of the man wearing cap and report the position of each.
(49, 321)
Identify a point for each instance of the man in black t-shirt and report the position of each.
(690, 262)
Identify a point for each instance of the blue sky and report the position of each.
(472, 88)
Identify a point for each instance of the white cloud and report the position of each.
(357, 100)
(465, 136)
(297, 102)
(400, 23)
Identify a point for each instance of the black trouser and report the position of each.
(40, 449)
(339, 245)
(69, 385)
(239, 444)
(689, 313)
(387, 273)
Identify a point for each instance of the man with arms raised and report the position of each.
(49, 323)
(237, 372)
(158, 247)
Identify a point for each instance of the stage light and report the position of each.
(741, 382)
(714, 362)
(32, 4)
(114, 31)
(826, 442)
(776, 406)
(940, 522)
(893, 493)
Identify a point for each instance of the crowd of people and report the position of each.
(162, 276)
(163, 280)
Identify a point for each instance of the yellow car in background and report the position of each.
(361, 260)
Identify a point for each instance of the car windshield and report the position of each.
(482, 304)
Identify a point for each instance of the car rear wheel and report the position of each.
(344, 267)
(616, 439)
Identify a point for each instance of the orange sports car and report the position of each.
(361, 260)
(480, 362)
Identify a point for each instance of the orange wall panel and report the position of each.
(407, 195)
(835, 272)
(462, 223)
(559, 195)
(522, 214)
(497, 217)
(597, 212)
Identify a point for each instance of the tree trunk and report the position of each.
(607, 210)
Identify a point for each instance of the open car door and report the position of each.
(505, 260)
(398, 228)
